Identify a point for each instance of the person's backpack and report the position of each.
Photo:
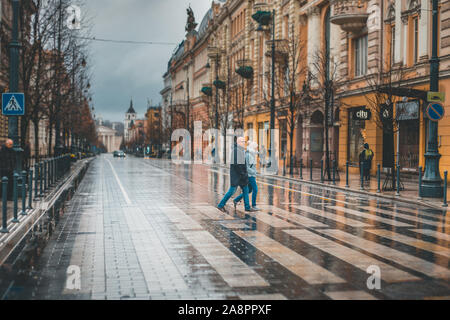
(368, 154)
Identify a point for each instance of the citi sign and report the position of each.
(362, 114)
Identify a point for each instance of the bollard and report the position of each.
(44, 175)
(420, 183)
(311, 170)
(346, 175)
(379, 178)
(36, 182)
(30, 189)
(24, 193)
(41, 193)
(362, 176)
(4, 205)
(321, 171)
(15, 195)
(398, 181)
(445, 189)
(50, 171)
(301, 169)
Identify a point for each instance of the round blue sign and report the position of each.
(435, 111)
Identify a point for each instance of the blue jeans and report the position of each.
(252, 183)
(230, 193)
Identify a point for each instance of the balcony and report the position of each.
(351, 15)
(281, 50)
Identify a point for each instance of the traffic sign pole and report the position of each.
(14, 47)
(432, 183)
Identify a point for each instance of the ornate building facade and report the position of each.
(331, 59)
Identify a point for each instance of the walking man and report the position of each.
(238, 175)
(250, 158)
(7, 164)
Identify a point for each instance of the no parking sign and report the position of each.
(435, 111)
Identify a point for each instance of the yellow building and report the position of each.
(347, 49)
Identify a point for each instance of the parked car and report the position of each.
(119, 154)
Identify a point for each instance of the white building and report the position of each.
(130, 118)
(109, 138)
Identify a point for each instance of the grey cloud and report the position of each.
(122, 71)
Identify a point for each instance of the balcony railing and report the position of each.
(351, 15)
(281, 50)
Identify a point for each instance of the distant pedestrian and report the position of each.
(7, 164)
(250, 158)
(238, 175)
(262, 156)
(365, 160)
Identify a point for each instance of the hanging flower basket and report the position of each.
(207, 91)
(245, 72)
(262, 17)
(219, 84)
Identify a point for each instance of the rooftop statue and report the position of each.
(191, 24)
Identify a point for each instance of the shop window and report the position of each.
(356, 129)
(360, 45)
(409, 129)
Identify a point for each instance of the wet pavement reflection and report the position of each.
(149, 229)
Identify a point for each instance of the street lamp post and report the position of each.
(14, 47)
(260, 18)
(432, 182)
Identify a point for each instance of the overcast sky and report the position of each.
(124, 71)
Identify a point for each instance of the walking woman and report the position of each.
(250, 158)
(238, 175)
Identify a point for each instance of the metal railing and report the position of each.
(33, 184)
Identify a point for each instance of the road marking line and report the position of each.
(428, 246)
(402, 215)
(407, 260)
(304, 221)
(350, 295)
(233, 270)
(212, 213)
(434, 234)
(289, 259)
(125, 195)
(269, 296)
(351, 256)
(271, 220)
(332, 216)
(369, 216)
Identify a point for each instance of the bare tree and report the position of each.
(325, 78)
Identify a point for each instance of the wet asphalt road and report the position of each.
(148, 229)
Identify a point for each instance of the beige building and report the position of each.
(109, 138)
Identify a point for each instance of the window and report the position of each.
(392, 44)
(416, 38)
(361, 56)
(356, 130)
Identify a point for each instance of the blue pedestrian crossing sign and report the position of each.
(13, 104)
(435, 111)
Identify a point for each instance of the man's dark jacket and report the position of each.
(238, 167)
(7, 161)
